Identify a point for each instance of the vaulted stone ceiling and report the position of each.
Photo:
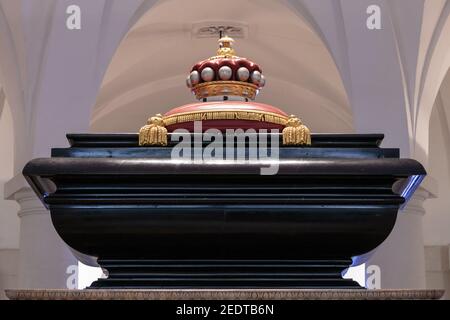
(147, 74)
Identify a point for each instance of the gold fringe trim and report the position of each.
(296, 133)
(154, 133)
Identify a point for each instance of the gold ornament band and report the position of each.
(225, 115)
(225, 88)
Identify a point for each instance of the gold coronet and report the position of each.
(225, 88)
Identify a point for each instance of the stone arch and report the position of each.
(437, 219)
(46, 66)
(374, 66)
(438, 64)
(9, 222)
(111, 78)
(7, 136)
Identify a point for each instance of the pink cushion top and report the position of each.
(223, 124)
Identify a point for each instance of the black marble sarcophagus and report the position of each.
(153, 219)
(155, 222)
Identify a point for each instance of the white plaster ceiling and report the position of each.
(147, 74)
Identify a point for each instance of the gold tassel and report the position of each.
(296, 133)
(154, 133)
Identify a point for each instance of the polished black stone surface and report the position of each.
(156, 223)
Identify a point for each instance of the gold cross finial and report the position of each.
(226, 47)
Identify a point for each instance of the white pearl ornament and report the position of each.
(243, 74)
(256, 77)
(262, 82)
(195, 78)
(225, 73)
(188, 82)
(207, 74)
